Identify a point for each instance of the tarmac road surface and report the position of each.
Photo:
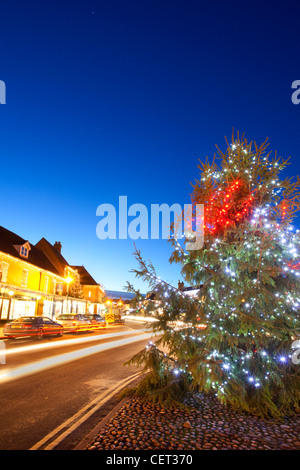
(43, 387)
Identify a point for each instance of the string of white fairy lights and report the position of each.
(289, 241)
(291, 245)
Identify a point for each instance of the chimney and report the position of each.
(57, 246)
(180, 285)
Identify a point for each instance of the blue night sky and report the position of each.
(123, 97)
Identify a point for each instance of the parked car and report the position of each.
(96, 321)
(74, 322)
(37, 327)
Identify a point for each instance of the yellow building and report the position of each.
(92, 292)
(29, 283)
(73, 302)
(37, 280)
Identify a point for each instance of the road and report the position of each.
(44, 384)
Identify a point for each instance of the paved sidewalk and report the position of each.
(205, 425)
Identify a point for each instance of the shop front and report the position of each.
(21, 302)
(15, 307)
(16, 303)
(96, 308)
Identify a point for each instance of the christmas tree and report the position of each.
(234, 339)
(76, 288)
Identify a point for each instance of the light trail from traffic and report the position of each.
(44, 364)
(67, 342)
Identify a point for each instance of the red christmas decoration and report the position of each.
(227, 207)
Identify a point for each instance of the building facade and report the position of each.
(92, 292)
(37, 280)
(29, 283)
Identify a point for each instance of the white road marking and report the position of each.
(75, 421)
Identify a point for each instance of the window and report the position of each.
(24, 278)
(47, 321)
(59, 288)
(53, 286)
(24, 252)
(46, 282)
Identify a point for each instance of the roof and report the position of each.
(186, 289)
(85, 278)
(35, 256)
(54, 256)
(116, 295)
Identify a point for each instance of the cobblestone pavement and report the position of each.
(205, 425)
